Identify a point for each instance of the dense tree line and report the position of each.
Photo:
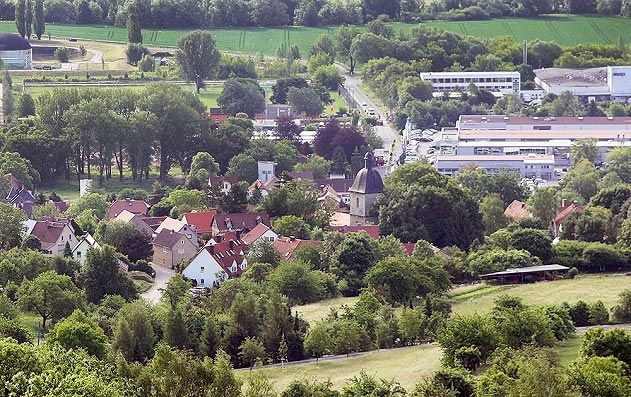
(241, 13)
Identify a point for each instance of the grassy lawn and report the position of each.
(589, 288)
(570, 349)
(406, 365)
(562, 29)
(337, 103)
(319, 310)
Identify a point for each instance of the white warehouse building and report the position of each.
(496, 82)
(15, 52)
(531, 166)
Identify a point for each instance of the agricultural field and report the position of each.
(562, 29)
(407, 365)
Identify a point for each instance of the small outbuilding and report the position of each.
(526, 274)
(15, 52)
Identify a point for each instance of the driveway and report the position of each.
(163, 275)
(389, 135)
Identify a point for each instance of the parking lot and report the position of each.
(422, 145)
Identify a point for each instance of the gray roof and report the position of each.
(368, 179)
(167, 238)
(525, 270)
(13, 42)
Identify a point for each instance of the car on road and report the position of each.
(425, 139)
(364, 104)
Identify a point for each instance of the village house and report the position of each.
(562, 213)
(170, 248)
(517, 210)
(241, 222)
(180, 227)
(136, 220)
(222, 183)
(138, 207)
(202, 221)
(261, 232)
(86, 242)
(54, 233)
(339, 187)
(17, 195)
(216, 262)
(287, 245)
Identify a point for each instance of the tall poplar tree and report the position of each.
(134, 33)
(39, 25)
(20, 23)
(28, 18)
(7, 96)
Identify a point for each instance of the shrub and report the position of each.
(61, 54)
(573, 272)
(622, 312)
(598, 313)
(134, 53)
(469, 357)
(147, 63)
(580, 314)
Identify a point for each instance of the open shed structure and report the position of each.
(526, 274)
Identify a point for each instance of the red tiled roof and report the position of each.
(133, 206)
(255, 233)
(226, 253)
(566, 211)
(287, 245)
(372, 230)
(48, 232)
(518, 210)
(219, 179)
(202, 221)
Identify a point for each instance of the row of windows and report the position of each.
(437, 80)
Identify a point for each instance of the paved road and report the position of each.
(580, 330)
(163, 275)
(387, 133)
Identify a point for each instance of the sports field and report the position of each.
(562, 29)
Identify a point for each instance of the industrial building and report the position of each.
(531, 166)
(496, 82)
(594, 84)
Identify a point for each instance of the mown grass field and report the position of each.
(480, 297)
(562, 29)
(589, 288)
(407, 365)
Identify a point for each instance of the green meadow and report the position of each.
(562, 29)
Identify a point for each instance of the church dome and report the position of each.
(13, 42)
(368, 179)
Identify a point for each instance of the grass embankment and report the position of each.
(562, 29)
(406, 365)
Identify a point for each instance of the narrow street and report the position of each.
(163, 275)
(389, 135)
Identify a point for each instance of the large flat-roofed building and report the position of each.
(497, 82)
(530, 166)
(594, 84)
(501, 122)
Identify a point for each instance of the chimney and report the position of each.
(128, 201)
(292, 238)
(563, 203)
(229, 223)
(231, 244)
(170, 231)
